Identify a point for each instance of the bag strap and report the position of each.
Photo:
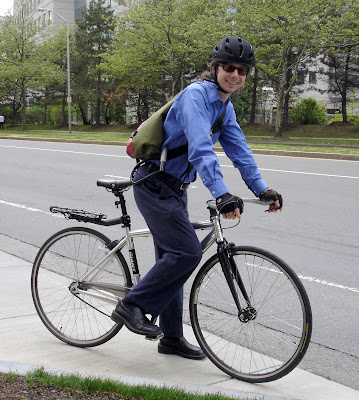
(183, 149)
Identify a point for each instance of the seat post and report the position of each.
(122, 203)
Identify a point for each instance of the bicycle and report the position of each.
(249, 311)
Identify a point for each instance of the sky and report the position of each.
(5, 5)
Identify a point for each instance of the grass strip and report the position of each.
(319, 145)
(311, 149)
(96, 385)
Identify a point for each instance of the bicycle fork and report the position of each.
(232, 275)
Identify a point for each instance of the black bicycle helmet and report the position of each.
(234, 49)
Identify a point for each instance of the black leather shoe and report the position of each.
(181, 347)
(135, 320)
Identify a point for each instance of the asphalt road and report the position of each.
(317, 233)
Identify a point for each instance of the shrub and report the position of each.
(309, 112)
(34, 114)
(352, 118)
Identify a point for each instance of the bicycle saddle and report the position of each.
(114, 184)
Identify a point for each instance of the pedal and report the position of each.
(154, 338)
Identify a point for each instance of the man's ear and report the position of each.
(213, 67)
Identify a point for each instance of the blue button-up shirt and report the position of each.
(189, 120)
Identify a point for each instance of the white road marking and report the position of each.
(7, 203)
(67, 151)
(298, 172)
(326, 283)
(221, 155)
(304, 278)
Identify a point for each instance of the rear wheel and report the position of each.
(269, 337)
(68, 305)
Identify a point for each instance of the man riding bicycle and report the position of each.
(162, 199)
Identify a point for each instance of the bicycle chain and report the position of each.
(84, 301)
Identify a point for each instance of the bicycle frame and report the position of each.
(113, 293)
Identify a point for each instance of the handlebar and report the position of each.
(212, 203)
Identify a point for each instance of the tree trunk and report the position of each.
(286, 109)
(98, 100)
(44, 118)
(23, 108)
(279, 113)
(83, 114)
(345, 87)
(281, 96)
(63, 109)
(15, 108)
(344, 107)
(254, 97)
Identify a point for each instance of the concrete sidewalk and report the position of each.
(25, 344)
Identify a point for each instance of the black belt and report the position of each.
(174, 182)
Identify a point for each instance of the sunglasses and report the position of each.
(231, 68)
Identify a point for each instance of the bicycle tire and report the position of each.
(273, 343)
(79, 320)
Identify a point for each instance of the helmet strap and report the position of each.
(215, 80)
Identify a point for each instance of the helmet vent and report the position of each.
(228, 50)
(240, 51)
(240, 40)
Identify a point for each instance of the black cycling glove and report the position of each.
(271, 195)
(228, 203)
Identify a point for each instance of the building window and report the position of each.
(301, 76)
(312, 77)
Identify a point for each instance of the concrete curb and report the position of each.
(279, 153)
(23, 369)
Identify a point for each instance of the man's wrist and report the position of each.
(264, 191)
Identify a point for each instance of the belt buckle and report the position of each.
(184, 185)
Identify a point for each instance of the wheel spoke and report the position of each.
(273, 338)
(75, 318)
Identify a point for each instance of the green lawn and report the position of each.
(340, 138)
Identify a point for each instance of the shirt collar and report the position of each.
(213, 94)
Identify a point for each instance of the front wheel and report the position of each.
(71, 307)
(273, 336)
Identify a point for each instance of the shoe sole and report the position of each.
(116, 317)
(171, 350)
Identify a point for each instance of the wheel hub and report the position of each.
(73, 288)
(247, 314)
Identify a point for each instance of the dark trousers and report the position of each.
(1, 125)
(177, 247)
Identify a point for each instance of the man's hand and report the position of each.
(229, 206)
(272, 195)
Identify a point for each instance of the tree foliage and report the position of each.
(285, 34)
(23, 62)
(341, 52)
(147, 54)
(93, 38)
(164, 44)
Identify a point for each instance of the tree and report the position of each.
(343, 73)
(94, 38)
(161, 45)
(341, 53)
(23, 63)
(284, 34)
(56, 88)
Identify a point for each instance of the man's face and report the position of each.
(231, 76)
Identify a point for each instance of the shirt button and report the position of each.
(213, 192)
(204, 180)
